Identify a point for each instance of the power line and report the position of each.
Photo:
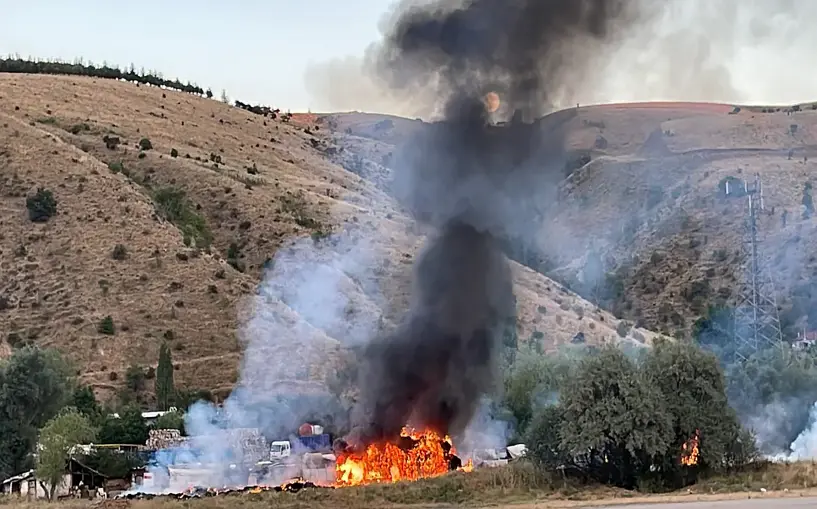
(756, 317)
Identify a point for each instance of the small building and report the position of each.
(26, 485)
(805, 340)
(76, 477)
(151, 417)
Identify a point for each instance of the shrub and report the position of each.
(78, 128)
(174, 152)
(111, 142)
(119, 252)
(42, 206)
(116, 167)
(623, 328)
(720, 255)
(145, 144)
(172, 204)
(106, 326)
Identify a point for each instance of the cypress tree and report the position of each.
(164, 379)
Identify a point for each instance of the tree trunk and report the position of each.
(45, 490)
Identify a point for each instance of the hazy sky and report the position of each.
(257, 50)
(261, 51)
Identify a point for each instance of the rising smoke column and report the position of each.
(473, 183)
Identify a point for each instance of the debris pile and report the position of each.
(249, 441)
(165, 439)
(293, 486)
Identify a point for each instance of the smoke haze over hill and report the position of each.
(690, 50)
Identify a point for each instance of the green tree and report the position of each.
(543, 439)
(535, 380)
(114, 464)
(615, 419)
(106, 326)
(84, 401)
(694, 390)
(34, 385)
(57, 437)
(165, 389)
(186, 397)
(129, 428)
(135, 381)
(41, 206)
(171, 420)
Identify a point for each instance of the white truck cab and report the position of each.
(280, 449)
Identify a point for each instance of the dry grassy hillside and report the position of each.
(649, 205)
(168, 207)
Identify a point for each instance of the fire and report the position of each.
(429, 456)
(492, 102)
(689, 450)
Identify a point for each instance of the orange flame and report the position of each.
(492, 102)
(386, 462)
(689, 450)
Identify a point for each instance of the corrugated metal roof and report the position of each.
(19, 477)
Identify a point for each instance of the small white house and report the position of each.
(76, 476)
(27, 486)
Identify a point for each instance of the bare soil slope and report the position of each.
(650, 204)
(169, 205)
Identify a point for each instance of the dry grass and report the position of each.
(801, 475)
(513, 484)
(251, 182)
(517, 485)
(682, 150)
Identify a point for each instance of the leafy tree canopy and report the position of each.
(129, 428)
(624, 419)
(57, 438)
(34, 385)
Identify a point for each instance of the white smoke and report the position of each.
(485, 431)
(804, 446)
(315, 297)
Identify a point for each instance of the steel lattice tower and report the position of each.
(756, 318)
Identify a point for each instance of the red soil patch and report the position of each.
(698, 106)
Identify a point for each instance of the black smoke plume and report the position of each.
(475, 183)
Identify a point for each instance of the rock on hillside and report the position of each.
(201, 196)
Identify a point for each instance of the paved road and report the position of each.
(755, 503)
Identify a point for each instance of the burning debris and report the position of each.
(415, 455)
(293, 486)
(689, 450)
(475, 184)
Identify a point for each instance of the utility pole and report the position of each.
(756, 318)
